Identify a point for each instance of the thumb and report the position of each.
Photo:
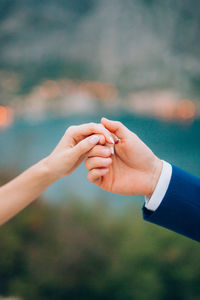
(85, 145)
(115, 127)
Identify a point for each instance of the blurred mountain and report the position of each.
(134, 44)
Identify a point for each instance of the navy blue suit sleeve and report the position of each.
(180, 208)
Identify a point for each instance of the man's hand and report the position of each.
(132, 170)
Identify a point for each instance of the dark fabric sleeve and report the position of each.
(179, 210)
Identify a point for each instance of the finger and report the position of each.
(115, 127)
(95, 175)
(98, 150)
(97, 162)
(85, 145)
(81, 131)
(115, 138)
(102, 139)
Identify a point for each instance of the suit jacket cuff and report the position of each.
(179, 210)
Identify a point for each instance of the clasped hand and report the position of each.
(116, 159)
(130, 169)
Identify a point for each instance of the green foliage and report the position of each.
(83, 252)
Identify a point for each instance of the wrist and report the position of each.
(46, 170)
(154, 176)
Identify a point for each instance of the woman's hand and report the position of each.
(69, 153)
(73, 147)
(133, 170)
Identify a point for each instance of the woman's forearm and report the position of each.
(25, 188)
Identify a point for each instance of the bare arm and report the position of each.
(22, 190)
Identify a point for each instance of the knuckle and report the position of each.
(70, 129)
(105, 130)
(92, 124)
(86, 163)
(101, 126)
(89, 176)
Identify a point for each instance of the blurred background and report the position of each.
(71, 62)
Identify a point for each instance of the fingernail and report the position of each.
(112, 150)
(111, 139)
(94, 139)
(116, 139)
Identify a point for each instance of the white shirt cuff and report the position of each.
(161, 188)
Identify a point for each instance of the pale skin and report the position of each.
(133, 170)
(66, 157)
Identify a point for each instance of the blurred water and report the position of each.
(25, 143)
